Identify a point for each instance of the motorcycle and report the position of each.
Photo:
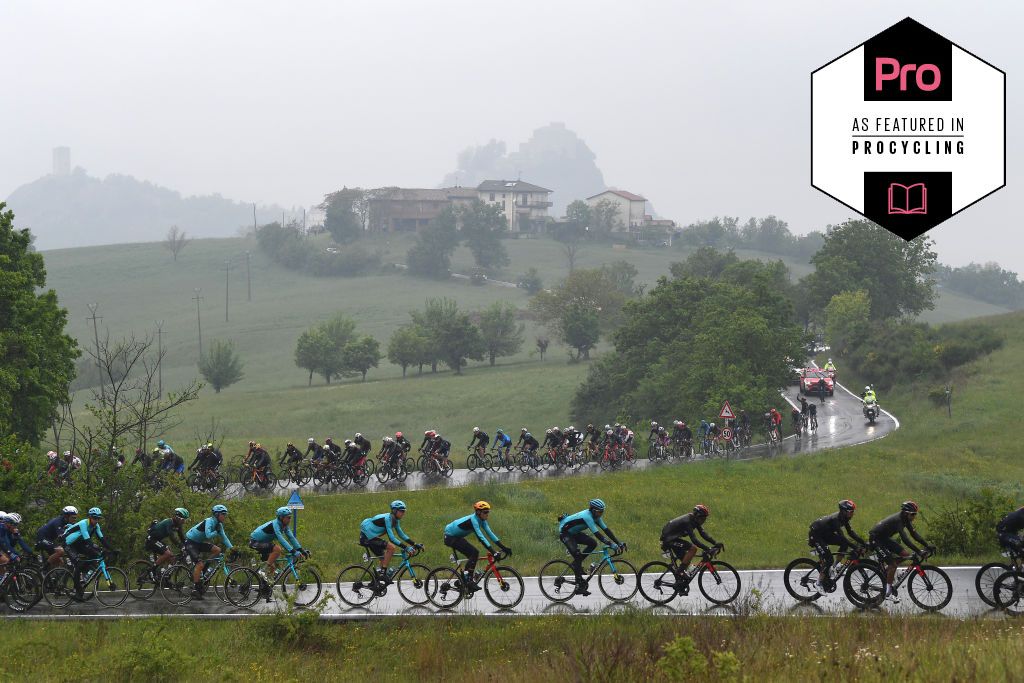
(871, 411)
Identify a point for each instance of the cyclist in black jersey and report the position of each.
(479, 437)
(688, 525)
(828, 530)
(530, 444)
(881, 534)
(292, 455)
(1008, 531)
(592, 434)
(522, 432)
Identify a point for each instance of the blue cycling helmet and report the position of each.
(283, 512)
(161, 443)
(217, 509)
(499, 430)
(397, 505)
(95, 513)
(596, 504)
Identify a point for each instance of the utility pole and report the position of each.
(248, 276)
(199, 321)
(254, 226)
(159, 358)
(96, 337)
(303, 220)
(227, 270)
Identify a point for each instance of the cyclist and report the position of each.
(164, 446)
(172, 461)
(551, 439)
(592, 434)
(440, 448)
(573, 437)
(371, 536)
(522, 432)
(260, 463)
(313, 447)
(654, 431)
(681, 433)
(48, 536)
(262, 541)
(479, 437)
(530, 444)
(503, 444)
(812, 419)
(828, 530)
(77, 542)
(476, 523)
(364, 446)
(428, 441)
(1008, 531)
(292, 456)
(163, 530)
(688, 525)
(197, 544)
(572, 533)
(798, 421)
(335, 450)
(776, 421)
(391, 453)
(822, 389)
(881, 536)
(744, 423)
(803, 406)
(141, 457)
(10, 539)
(403, 442)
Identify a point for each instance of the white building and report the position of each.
(630, 206)
(525, 205)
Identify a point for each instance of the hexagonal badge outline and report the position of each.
(858, 46)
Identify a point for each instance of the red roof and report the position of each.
(622, 193)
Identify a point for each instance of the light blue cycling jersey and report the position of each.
(208, 530)
(273, 530)
(462, 527)
(584, 519)
(80, 531)
(502, 440)
(386, 523)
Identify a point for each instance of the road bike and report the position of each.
(206, 481)
(358, 584)
(297, 473)
(435, 465)
(718, 581)
(448, 586)
(21, 586)
(254, 479)
(683, 448)
(394, 466)
(109, 585)
(857, 577)
(929, 586)
(988, 574)
(477, 458)
(296, 582)
(616, 578)
(176, 584)
(144, 576)
(612, 456)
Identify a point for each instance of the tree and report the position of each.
(580, 329)
(502, 335)
(359, 355)
(571, 235)
(342, 214)
(542, 346)
(860, 255)
(604, 219)
(452, 336)
(176, 241)
(432, 253)
(320, 348)
(482, 228)
(312, 352)
(847, 320)
(436, 314)
(407, 346)
(530, 281)
(36, 356)
(595, 287)
(221, 366)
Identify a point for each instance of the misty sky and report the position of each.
(703, 108)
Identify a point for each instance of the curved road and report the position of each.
(840, 423)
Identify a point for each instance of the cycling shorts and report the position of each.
(197, 549)
(376, 545)
(888, 545)
(158, 547)
(262, 547)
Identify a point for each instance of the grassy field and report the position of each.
(760, 509)
(633, 647)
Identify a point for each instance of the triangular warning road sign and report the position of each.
(727, 413)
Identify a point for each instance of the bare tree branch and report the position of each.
(176, 241)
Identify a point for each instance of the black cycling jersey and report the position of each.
(896, 524)
(686, 525)
(481, 437)
(837, 522)
(531, 443)
(1011, 523)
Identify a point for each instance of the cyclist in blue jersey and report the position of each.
(372, 532)
(10, 539)
(78, 542)
(262, 540)
(197, 544)
(503, 444)
(572, 533)
(48, 536)
(476, 523)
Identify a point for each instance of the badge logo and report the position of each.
(908, 129)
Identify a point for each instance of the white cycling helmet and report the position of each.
(69, 510)
(310, 440)
(867, 388)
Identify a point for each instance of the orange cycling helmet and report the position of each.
(481, 505)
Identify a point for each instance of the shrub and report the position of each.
(969, 528)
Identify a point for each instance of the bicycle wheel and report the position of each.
(618, 584)
(246, 478)
(112, 589)
(271, 482)
(473, 462)
(218, 484)
(322, 477)
(59, 587)
(301, 583)
(930, 589)
(985, 581)
(193, 483)
(383, 474)
(864, 584)
(444, 587)
(142, 579)
(657, 582)
(557, 581)
(1008, 591)
(23, 590)
(243, 587)
(799, 577)
(720, 583)
(356, 585)
(421, 464)
(447, 468)
(176, 585)
(303, 475)
(505, 592)
(412, 584)
(403, 470)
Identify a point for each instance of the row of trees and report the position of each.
(479, 226)
(287, 246)
(988, 282)
(332, 350)
(769, 234)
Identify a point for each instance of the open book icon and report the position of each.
(905, 199)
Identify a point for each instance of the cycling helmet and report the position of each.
(712, 425)
(348, 442)
(570, 428)
(847, 505)
(499, 431)
(359, 435)
(430, 433)
(259, 447)
(13, 518)
(678, 423)
(547, 431)
(283, 512)
(476, 430)
(398, 435)
(69, 510)
(661, 430)
(161, 443)
(596, 504)
(76, 461)
(618, 424)
(590, 427)
(95, 513)
(218, 509)
(608, 432)
(5, 518)
(290, 445)
(328, 440)
(388, 440)
(909, 506)
(181, 512)
(481, 505)
(67, 454)
(398, 505)
(829, 360)
(653, 424)
(527, 435)
(310, 440)
(607, 426)
(51, 454)
(209, 445)
(523, 430)
(701, 510)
